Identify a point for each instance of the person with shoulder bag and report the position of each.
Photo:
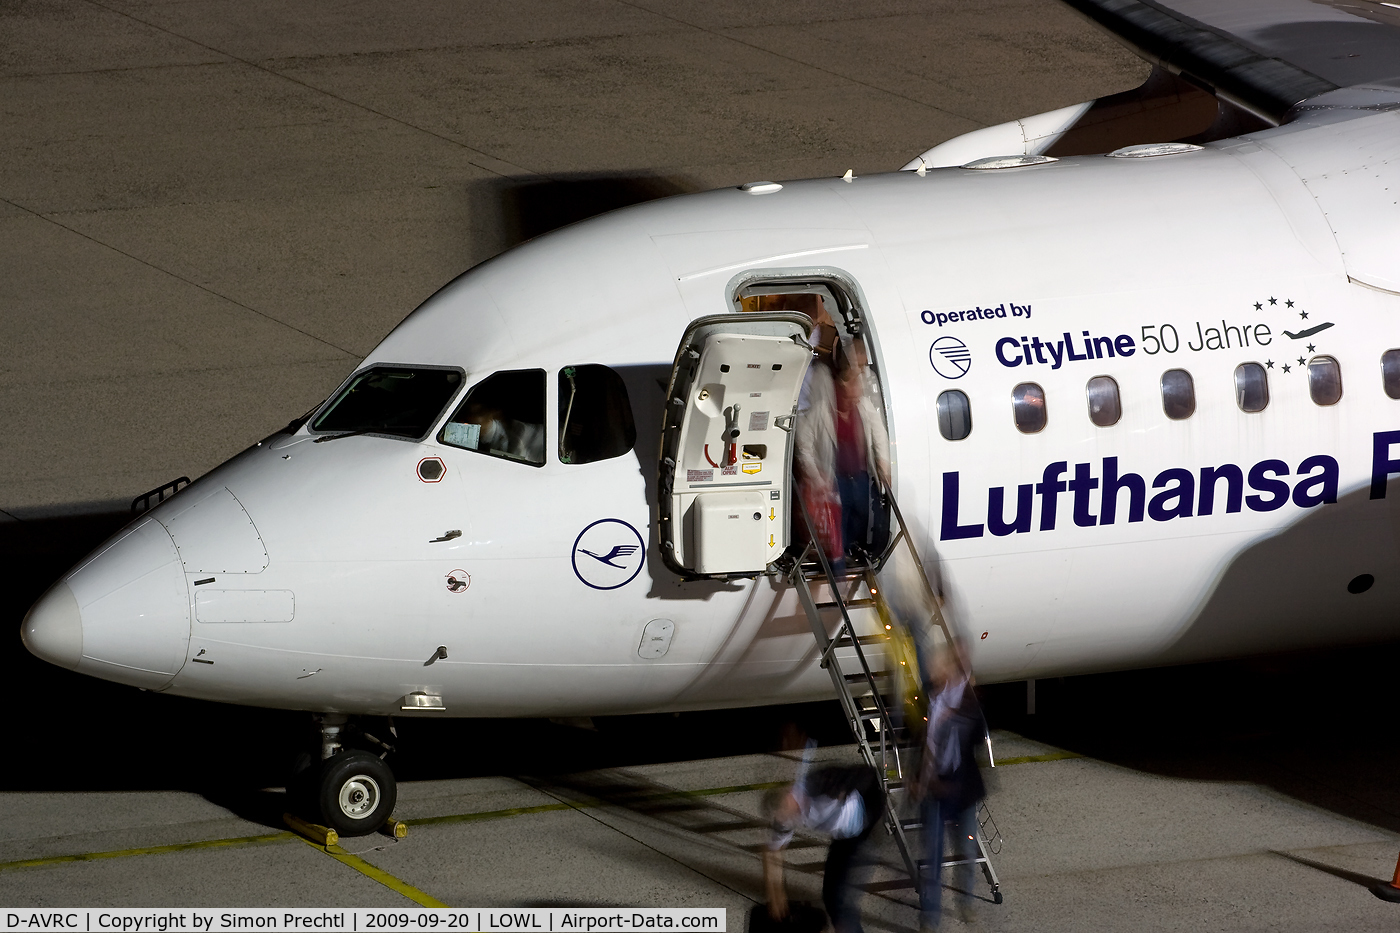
(949, 786)
(846, 801)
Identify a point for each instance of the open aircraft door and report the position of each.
(727, 445)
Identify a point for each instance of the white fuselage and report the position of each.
(1200, 261)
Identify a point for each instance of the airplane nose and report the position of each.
(53, 628)
(123, 614)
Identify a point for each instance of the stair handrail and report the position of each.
(846, 626)
(935, 599)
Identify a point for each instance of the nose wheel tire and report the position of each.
(357, 793)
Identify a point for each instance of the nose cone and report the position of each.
(53, 628)
(123, 614)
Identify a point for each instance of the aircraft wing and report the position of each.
(1264, 56)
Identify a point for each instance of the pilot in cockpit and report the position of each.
(479, 425)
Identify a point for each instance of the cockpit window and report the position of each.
(392, 400)
(502, 416)
(595, 415)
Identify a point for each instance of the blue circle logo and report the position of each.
(950, 357)
(608, 554)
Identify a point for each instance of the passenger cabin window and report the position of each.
(502, 416)
(595, 415)
(1105, 408)
(954, 415)
(1251, 387)
(1028, 407)
(392, 400)
(1324, 380)
(1390, 372)
(1178, 394)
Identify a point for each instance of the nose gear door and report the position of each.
(727, 443)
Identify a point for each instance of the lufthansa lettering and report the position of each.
(1124, 496)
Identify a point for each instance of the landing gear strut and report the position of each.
(350, 790)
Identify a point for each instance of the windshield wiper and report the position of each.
(357, 433)
(336, 437)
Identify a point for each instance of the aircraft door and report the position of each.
(727, 442)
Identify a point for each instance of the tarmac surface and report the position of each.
(209, 212)
(1193, 828)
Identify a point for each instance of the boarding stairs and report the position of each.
(868, 649)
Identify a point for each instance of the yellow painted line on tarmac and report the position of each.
(271, 838)
(418, 897)
(149, 850)
(1031, 759)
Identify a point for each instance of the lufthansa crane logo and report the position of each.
(608, 554)
(950, 357)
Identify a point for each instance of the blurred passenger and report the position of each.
(862, 455)
(949, 785)
(815, 440)
(913, 612)
(846, 801)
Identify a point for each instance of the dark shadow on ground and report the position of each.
(1365, 881)
(1314, 726)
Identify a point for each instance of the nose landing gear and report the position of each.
(349, 790)
(357, 793)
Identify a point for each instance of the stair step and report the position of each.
(845, 642)
(813, 573)
(860, 678)
(850, 604)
